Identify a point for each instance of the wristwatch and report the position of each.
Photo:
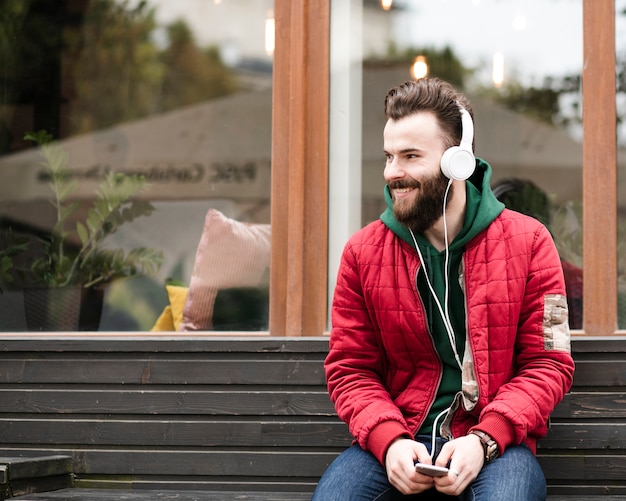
(489, 445)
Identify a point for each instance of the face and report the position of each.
(413, 147)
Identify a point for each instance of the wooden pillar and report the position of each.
(599, 169)
(300, 168)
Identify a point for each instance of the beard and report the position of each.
(421, 214)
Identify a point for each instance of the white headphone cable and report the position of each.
(444, 313)
(434, 432)
(449, 330)
(446, 269)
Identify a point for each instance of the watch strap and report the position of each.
(490, 446)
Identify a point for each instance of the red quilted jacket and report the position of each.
(383, 370)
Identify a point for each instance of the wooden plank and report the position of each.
(219, 464)
(599, 168)
(315, 182)
(173, 433)
(281, 146)
(45, 465)
(597, 437)
(606, 468)
(177, 400)
(216, 463)
(40, 484)
(592, 405)
(152, 495)
(150, 370)
(202, 343)
(579, 494)
(592, 373)
(595, 345)
(205, 484)
(300, 168)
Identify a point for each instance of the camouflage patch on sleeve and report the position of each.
(556, 335)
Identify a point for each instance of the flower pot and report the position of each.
(63, 308)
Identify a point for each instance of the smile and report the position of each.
(401, 193)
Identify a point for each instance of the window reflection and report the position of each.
(176, 92)
(528, 120)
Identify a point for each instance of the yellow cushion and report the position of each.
(172, 315)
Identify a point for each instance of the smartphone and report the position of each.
(431, 470)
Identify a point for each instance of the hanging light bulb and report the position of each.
(386, 4)
(269, 33)
(519, 22)
(419, 68)
(497, 72)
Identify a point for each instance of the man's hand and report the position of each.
(466, 456)
(400, 466)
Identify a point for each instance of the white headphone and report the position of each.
(458, 162)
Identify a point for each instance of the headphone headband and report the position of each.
(467, 129)
(458, 162)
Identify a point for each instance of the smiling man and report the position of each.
(450, 339)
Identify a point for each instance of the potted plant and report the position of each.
(72, 265)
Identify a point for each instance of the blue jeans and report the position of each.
(356, 475)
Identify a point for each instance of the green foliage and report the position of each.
(120, 73)
(11, 245)
(543, 102)
(89, 263)
(193, 75)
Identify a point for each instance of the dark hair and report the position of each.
(429, 94)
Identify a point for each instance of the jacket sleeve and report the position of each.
(355, 365)
(542, 363)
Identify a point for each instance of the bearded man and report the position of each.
(450, 341)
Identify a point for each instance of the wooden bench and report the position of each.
(206, 417)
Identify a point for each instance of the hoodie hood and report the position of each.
(481, 209)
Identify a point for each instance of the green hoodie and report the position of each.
(481, 209)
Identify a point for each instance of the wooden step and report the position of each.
(152, 495)
(26, 474)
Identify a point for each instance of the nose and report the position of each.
(393, 169)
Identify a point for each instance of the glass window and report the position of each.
(147, 124)
(522, 77)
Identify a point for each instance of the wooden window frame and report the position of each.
(599, 169)
(298, 288)
(299, 199)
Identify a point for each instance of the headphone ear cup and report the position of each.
(457, 163)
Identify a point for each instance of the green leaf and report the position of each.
(66, 211)
(94, 221)
(82, 232)
(39, 137)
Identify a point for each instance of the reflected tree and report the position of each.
(74, 66)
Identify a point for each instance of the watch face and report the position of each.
(491, 450)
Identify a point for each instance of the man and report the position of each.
(450, 342)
